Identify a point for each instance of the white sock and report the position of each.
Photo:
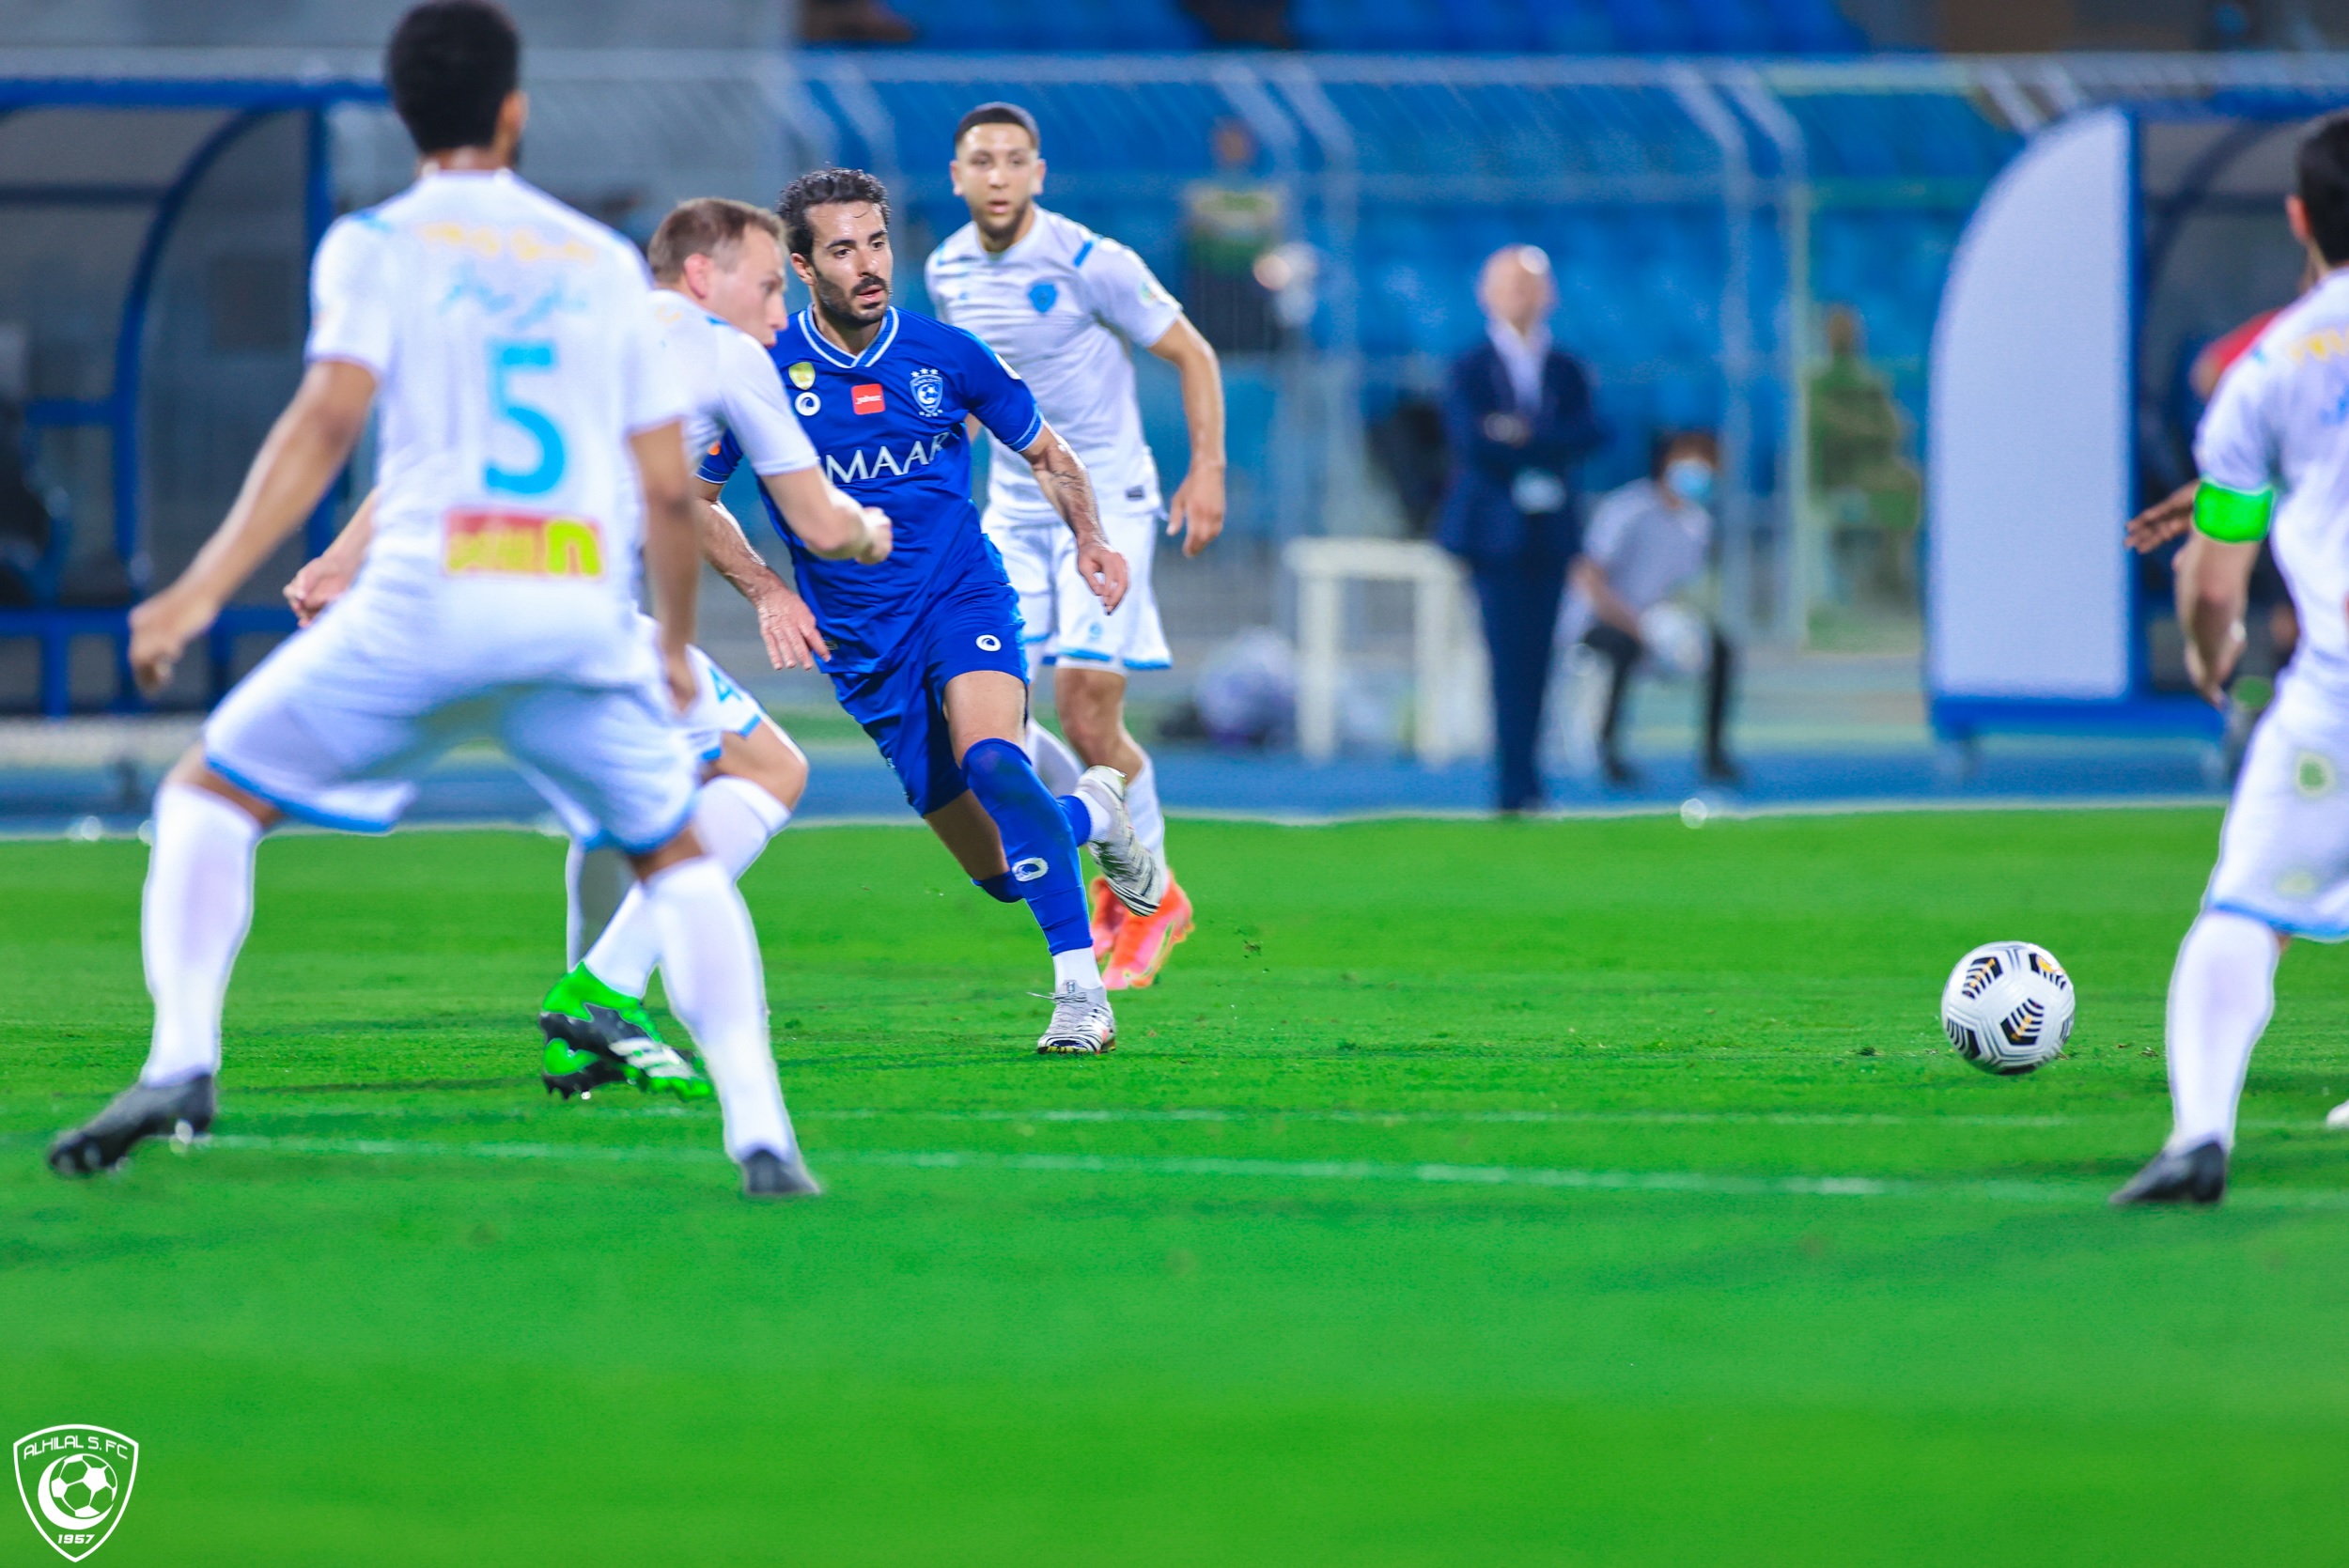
(717, 987)
(1076, 968)
(2220, 994)
(192, 921)
(734, 818)
(1142, 804)
(593, 883)
(1055, 764)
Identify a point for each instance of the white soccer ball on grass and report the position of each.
(2008, 1007)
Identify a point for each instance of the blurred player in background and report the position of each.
(523, 398)
(924, 650)
(718, 264)
(2284, 858)
(1063, 306)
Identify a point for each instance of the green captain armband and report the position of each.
(2238, 516)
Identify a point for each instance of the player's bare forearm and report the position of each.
(304, 450)
(673, 551)
(2165, 519)
(2214, 582)
(726, 547)
(826, 521)
(1197, 509)
(1061, 475)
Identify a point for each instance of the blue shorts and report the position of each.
(974, 625)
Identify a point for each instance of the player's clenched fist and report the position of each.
(1103, 570)
(161, 631)
(880, 537)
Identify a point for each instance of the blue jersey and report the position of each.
(888, 428)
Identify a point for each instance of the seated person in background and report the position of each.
(1647, 542)
(1870, 494)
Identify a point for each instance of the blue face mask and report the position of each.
(1690, 479)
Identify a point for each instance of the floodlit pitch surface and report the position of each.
(1465, 1193)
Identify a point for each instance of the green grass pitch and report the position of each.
(1465, 1193)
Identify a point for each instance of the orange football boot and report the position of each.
(1108, 918)
(1144, 941)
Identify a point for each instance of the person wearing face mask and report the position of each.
(1518, 419)
(1646, 543)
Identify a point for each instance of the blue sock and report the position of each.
(1036, 841)
(1080, 817)
(999, 887)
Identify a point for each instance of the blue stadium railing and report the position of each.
(241, 106)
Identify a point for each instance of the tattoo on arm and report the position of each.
(1063, 478)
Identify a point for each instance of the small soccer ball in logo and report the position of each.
(83, 1487)
(2008, 1007)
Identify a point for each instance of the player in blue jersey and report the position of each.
(924, 649)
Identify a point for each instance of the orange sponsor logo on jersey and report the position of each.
(521, 242)
(520, 544)
(2324, 344)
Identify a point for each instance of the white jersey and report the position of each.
(1062, 307)
(2281, 417)
(730, 385)
(515, 355)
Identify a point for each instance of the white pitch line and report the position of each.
(1695, 1182)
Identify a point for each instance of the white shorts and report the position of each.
(2284, 856)
(1061, 617)
(335, 724)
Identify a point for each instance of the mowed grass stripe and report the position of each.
(1343, 1170)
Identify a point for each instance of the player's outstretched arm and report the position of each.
(306, 449)
(2213, 579)
(673, 553)
(327, 577)
(785, 624)
(1196, 512)
(1061, 475)
(2165, 519)
(826, 521)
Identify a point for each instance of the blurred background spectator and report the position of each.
(1232, 225)
(1518, 412)
(1870, 495)
(1635, 602)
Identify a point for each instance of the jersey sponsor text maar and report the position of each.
(2281, 417)
(514, 354)
(887, 426)
(1061, 306)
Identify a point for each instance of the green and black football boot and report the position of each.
(595, 1036)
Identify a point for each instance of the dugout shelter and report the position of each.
(2120, 241)
(154, 300)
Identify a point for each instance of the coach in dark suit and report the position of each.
(1518, 419)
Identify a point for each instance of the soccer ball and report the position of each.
(83, 1487)
(2008, 1007)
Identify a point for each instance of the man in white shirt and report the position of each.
(1063, 308)
(2273, 429)
(528, 426)
(1646, 543)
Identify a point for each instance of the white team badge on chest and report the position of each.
(929, 390)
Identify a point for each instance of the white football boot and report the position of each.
(1083, 1024)
(1136, 876)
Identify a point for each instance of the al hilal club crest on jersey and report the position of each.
(929, 390)
(75, 1481)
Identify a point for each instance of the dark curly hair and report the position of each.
(824, 188)
(450, 65)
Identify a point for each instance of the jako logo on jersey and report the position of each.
(872, 463)
(1042, 295)
(1029, 869)
(865, 398)
(520, 544)
(991, 643)
(929, 390)
(802, 375)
